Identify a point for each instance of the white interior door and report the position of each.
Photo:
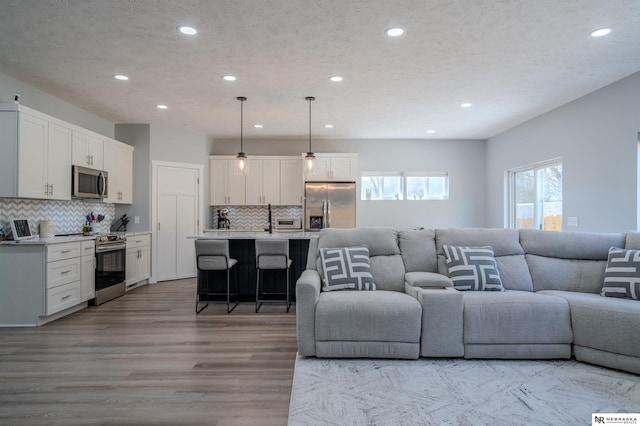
(178, 199)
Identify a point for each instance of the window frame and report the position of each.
(538, 217)
(427, 175)
(400, 175)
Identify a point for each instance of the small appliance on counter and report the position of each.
(288, 223)
(47, 229)
(223, 219)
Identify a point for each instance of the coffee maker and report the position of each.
(223, 219)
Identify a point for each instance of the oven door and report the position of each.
(110, 265)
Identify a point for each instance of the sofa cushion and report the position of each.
(418, 249)
(472, 268)
(427, 280)
(605, 323)
(550, 273)
(378, 316)
(515, 317)
(509, 255)
(346, 268)
(622, 275)
(387, 267)
(569, 245)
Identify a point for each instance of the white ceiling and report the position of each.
(513, 59)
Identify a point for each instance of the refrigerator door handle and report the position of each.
(328, 220)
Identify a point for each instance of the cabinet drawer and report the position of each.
(62, 251)
(136, 241)
(63, 272)
(63, 297)
(88, 248)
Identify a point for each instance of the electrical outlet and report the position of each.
(572, 221)
(136, 219)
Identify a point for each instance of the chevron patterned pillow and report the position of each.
(622, 275)
(346, 268)
(472, 268)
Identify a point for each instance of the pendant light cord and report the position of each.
(241, 122)
(310, 99)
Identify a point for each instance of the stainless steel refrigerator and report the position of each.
(329, 205)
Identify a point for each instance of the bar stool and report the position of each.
(272, 255)
(213, 255)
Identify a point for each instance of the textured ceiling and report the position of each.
(513, 59)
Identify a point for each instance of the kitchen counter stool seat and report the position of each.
(272, 255)
(213, 255)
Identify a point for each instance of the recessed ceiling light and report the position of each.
(335, 78)
(229, 77)
(431, 131)
(161, 106)
(187, 30)
(328, 126)
(601, 32)
(258, 126)
(120, 77)
(394, 32)
(465, 105)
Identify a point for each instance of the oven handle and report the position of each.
(110, 247)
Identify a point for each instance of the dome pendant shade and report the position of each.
(241, 168)
(310, 158)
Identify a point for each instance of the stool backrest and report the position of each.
(272, 254)
(212, 254)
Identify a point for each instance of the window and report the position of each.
(381, 186)
(427, 186)
(535, 196)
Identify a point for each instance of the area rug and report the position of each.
(457, 392)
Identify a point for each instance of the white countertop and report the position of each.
(45, 241)
(234, 234)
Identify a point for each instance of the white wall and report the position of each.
(55, 107)
(463, 159)
(597, 137)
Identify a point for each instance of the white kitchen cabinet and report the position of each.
(36, 157)
(138, 264)
(291, 183)
(263, 182)
(87, 150)
(118, 163)
(63, 276)
(335, 168)
(87, 270)
(227, 188)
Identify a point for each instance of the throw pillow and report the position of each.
(472, 268)
(346, 268)
(622, 275)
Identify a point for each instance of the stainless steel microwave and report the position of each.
(89, 183)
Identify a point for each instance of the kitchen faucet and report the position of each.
(270, 228)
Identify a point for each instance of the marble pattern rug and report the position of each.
(456, 392)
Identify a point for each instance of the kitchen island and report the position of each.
(242, 248)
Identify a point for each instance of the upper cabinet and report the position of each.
(335, 168)
(87, 149)
(36, 158)
(118, 163)
(227, 188)
(270, 180)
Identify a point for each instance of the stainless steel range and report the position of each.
(110, 267)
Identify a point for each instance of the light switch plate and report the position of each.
(572, 221)
(136, 219)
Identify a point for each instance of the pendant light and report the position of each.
(310, 158)
(241, 159)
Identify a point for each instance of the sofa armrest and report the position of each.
(415, 280)
(307, 295)
(442, 322)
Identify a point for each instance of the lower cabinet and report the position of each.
(88, 271)
(138, 266)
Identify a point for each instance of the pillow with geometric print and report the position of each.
(346, 268)
(472, 268)
(622, 275)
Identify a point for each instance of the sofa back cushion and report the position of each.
(418, 249)
(387, 267)
(632, 240)
(570, 261)
(507, 250)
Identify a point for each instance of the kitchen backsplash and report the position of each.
(68, 216)
(254, 217)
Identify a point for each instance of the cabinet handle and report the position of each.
(65, 251)
(92, 160)
(51, 189)
(158, 226)
(46, 189)
(65, 297)
(65, 272)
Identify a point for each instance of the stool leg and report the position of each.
(288, 301)
(198, 292)
(229, 310)
(258, 290)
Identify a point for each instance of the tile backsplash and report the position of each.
(254, 217)
(68, 216)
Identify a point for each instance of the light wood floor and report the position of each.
(146, 358)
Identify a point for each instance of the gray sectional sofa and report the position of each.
(551, 307)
